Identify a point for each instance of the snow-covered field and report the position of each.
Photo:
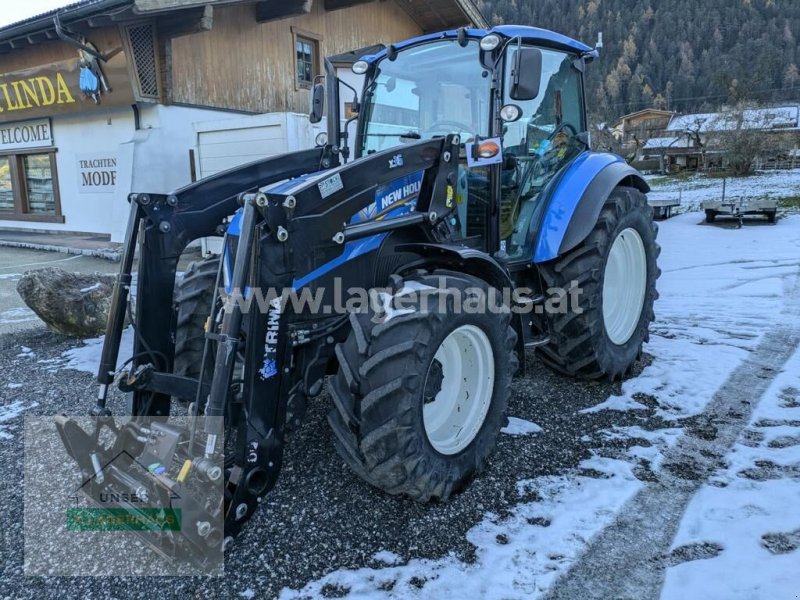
(694, 189)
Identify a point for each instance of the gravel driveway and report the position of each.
(320, 517)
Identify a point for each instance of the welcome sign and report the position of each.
(27, 134)
(54, 88)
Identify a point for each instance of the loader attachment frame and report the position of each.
(285, 352)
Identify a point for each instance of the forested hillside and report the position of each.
(678, 54)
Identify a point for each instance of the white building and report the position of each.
(183, 89)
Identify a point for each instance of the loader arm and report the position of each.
(167, 224)
(300, 232)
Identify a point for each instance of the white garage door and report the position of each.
(225, 144)
(229, 143)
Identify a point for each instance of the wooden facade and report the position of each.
(107, 38)
(237, 55)
(644, 124)
(245, 65)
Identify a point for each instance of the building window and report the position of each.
(305, 61)
(306, 58)
(29, 187)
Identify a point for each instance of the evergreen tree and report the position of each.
(683, 55)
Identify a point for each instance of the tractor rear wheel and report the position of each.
(711, 215)
(421, 392)
(614, 271)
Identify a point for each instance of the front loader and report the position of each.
(472, 223)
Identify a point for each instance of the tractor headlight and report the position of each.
(490, 42)
(510, 113)
(360, 67)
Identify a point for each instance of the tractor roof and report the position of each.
(531, 35)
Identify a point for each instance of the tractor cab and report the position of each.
(514, 95)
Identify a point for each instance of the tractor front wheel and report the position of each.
(421, 391)
(612, 274)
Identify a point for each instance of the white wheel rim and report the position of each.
(457, 412)
(624, 285)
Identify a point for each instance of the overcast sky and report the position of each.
(14, 11)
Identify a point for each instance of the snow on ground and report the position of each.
(517, 557)
(721, 290)
(520, 427)
(386, 557)
(25, 352)
(87, 357)
(8, 417)
(696, 188)
(745, 525)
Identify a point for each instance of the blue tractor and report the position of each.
(471, 223)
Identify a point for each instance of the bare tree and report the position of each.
(606, 139)
(742, 136)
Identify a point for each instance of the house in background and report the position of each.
(696, 141)
(633, 130)
(105, 97)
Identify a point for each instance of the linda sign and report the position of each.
(54, 88)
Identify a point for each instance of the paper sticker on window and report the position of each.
(487, 152)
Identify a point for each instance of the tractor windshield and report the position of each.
(429, 90)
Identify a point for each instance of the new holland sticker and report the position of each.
(395, 198)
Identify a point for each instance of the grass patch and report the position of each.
(789, 202)
(723, 175)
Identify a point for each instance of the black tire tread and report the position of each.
(193, 296)
(373, 410)
(572, 350)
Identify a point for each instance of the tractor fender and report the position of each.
(577, 199)
(459, 258)
(472, 262)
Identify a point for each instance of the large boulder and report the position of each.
(74, 304)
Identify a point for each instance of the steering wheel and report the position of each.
(449, 125)
(564, 126)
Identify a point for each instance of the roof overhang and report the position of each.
(175, 17)
(187, 16)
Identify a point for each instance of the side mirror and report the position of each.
(526, 74)
(317, 103)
